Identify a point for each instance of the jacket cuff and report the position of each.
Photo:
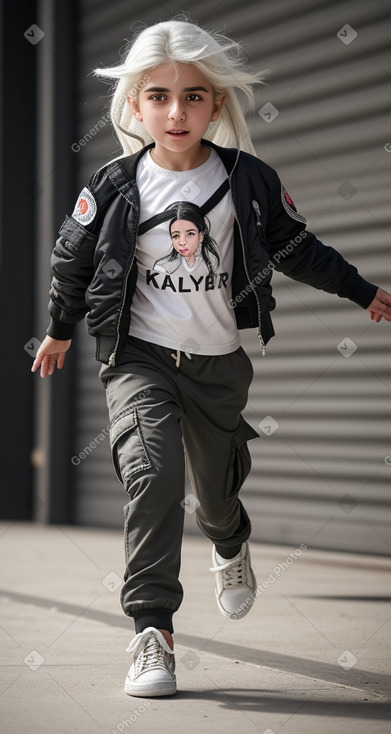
(362, 294)
(60, 330)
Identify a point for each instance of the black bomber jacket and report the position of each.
(94, 268)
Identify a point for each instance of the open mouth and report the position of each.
(178, 133)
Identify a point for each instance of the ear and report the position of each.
(218, 106)
(134, 105)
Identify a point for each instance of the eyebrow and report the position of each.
(177, 231)
(186, 89)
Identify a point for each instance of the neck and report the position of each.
(180, 161)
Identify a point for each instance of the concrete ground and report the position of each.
(312, 656)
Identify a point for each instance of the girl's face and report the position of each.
(185, 237)
(176, 111)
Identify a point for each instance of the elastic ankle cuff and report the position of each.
(157, 617)
(228, 553)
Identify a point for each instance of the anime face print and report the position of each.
(191, 241)
(186, 240)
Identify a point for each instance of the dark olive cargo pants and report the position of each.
(164, 405)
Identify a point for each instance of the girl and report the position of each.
(191, 241)
(174, 371)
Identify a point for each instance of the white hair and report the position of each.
(220, 59)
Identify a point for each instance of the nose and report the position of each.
(176, 111)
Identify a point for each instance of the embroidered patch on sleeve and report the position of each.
(289, 206)
(85, 208)
(289, 200)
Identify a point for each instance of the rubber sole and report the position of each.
(152, 690)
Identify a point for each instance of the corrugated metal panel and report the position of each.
(321, 477)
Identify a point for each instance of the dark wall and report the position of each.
(18, 194)
(36, 187)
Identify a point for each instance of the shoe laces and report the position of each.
(151, 656)
(149, 652)
(233, 571)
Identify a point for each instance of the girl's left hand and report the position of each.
(380, 308)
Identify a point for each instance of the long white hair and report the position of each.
(220, 59)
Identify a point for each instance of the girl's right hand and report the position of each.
(50, 354)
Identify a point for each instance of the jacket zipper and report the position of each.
(260, 337)
(125, 288)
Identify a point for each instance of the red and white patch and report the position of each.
(85, 209)
(289, 200)
(289, 206)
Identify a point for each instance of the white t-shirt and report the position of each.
(175, 304)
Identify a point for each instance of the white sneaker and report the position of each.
(152, 672)
(235, 583)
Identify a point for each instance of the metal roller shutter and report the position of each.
(322, 476)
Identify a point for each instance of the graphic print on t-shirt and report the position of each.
(191, 242)
(184, 260)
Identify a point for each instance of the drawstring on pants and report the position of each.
(177, 357)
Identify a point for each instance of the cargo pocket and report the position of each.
(240, 464)
(128, 449)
